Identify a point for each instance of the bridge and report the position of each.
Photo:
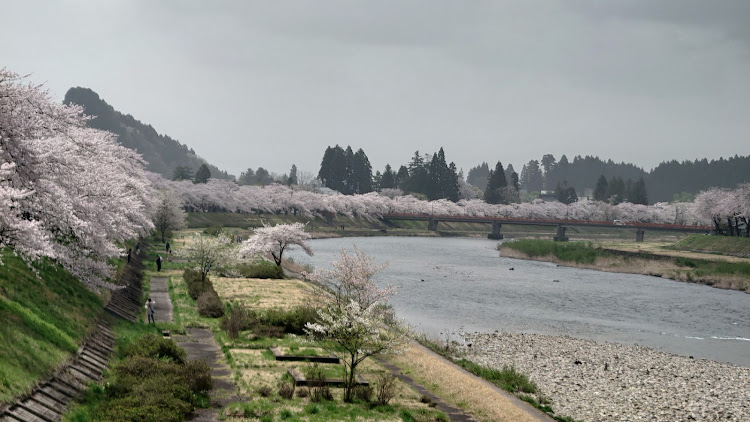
(561, 224)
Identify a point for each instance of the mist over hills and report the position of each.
(162, 153)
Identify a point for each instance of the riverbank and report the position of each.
(674, 265)
(592, 381)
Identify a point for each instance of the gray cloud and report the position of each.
(250, 84)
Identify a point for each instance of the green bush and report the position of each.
(290, 321)
(195, 284)
(198, 375)
(261, 269)
(154, 346)
(239, 318)
(209, 304)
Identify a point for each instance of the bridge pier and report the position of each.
(560, 237)
(639, 235)
(432, 225)
(495, 235)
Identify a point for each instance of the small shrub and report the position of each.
(261, 269)
(214, 230)
(239, 318)
(209, 304)
(198, 375)
(291, 321)
(312, 409)
(196, 285)
(316, 380)
(286, 388)
(153, 346)
(264, 391)
(285, 414)
(303, 392)
(385, 388)
(363, 393)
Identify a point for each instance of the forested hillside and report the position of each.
(162, 153)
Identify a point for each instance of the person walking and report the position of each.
(167, 247)
(158, 262)
(129, 251)
(150, 309)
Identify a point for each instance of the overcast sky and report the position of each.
(271, 83)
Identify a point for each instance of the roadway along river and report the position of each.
(451, 284)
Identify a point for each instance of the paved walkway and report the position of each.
(199, 344)
(160, 294)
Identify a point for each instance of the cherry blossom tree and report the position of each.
(168, 213)
(67, 192)
(208, 253)
(275, 240)
(354, 321)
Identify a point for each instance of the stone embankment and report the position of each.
(592, 381)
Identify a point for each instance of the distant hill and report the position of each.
(162, 153)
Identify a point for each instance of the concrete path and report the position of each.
(160, 294)
(199, 343)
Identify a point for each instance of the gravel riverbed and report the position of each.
(592, 381)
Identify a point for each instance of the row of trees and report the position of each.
(67, 192)
(346, 171)
(219, 195)
(186, 173)
(616, 190)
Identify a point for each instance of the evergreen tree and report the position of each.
(182, 173)
(509, 174)
(402, 177)
(602, 189)
(419, 176)
(566, 194)
(452, 188)
(292, 180)
(493, 194)
(478, 176)
(246, 177)
(616, 190)
(549, 166)
(638, 193)
(531, 177)
(388, 180)
(361, 173)
(202, 175)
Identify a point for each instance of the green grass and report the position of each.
(704, 268)
(43, 318)
(297, 410)
(508, 378)
(579, 252)
(728, 245)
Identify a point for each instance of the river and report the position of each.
(447, 285)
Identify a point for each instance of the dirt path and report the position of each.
(484, 400)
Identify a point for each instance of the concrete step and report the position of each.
(49, 403)
(94, 359)
(39, 410)
(64, 388)
(24, 415)
(54, 394)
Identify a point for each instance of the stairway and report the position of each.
(49, 401)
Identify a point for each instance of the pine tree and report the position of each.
(478, 176)
(638, 193)
(361, 173)
(388, 180)
(496, 182)
(292, 180)
(601, 190)
(202, 175)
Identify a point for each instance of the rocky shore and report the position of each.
(592, 381)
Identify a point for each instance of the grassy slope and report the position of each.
(715, 244)
(43, 320)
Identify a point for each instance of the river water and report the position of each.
(448, 285)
